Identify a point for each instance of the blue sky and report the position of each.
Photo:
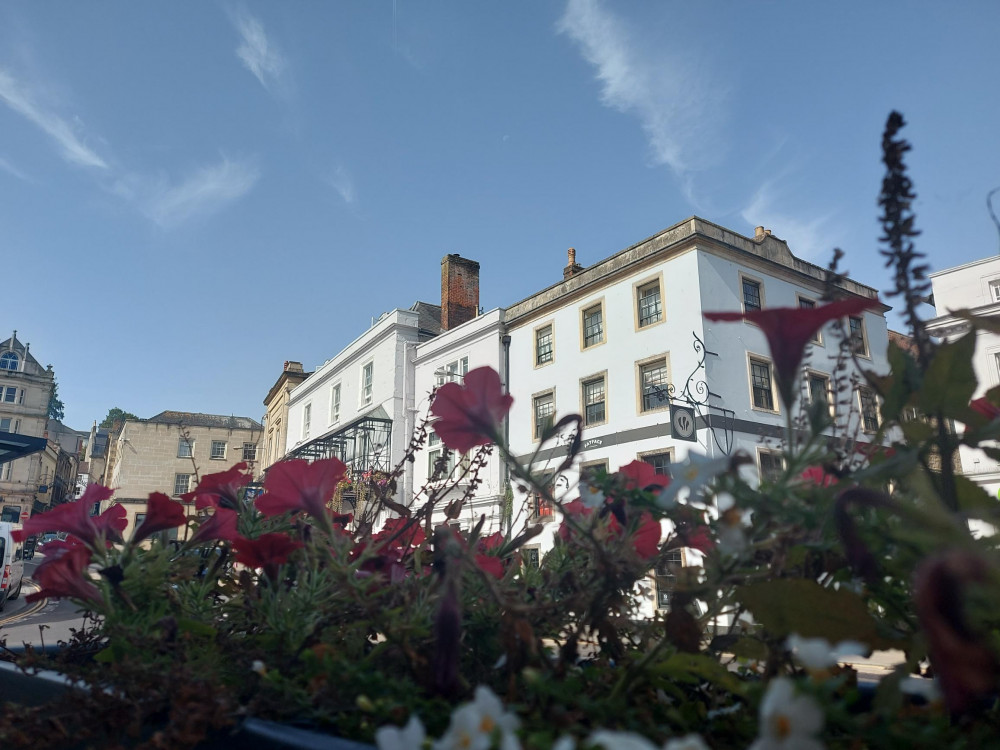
(192, 193)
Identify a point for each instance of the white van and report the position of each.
(11, 563)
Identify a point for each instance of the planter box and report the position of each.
(251, 734)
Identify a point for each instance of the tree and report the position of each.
(116, 415)
(57, 410)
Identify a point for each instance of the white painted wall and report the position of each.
(384, 345)
(692, 282)
(480, 341)
(969, 287)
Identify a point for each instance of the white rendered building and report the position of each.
(624, 344)
(975, 287)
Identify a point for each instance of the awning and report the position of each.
(14, 446)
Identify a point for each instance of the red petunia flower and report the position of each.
(220, 525)
(300, 485)
(487, 543)
(490, 564)
(387, 538)
(220, 490)
(818, 476)
(161, 513)
(74, 518)
(646, 539)
(641, 475)
(265, 551)
(986, 408)
(63, 577)
(790, 329)
(470, 414)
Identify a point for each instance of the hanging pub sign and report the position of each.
(682, 424)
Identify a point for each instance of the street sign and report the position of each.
(682, 423)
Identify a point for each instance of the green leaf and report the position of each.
(950, 381)
(792, 605)
(695, 668)
(897, 389)
(198, 628)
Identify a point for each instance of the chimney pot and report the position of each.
(572, 267)
(767, 232)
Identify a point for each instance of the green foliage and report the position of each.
(57, 410)
(116, 415)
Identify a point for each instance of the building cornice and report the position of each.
(692, 234)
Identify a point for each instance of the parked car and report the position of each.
(11, 563)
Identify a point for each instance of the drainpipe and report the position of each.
(506, 422)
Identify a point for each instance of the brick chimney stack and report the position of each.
(293, 366)
(572, 267)
(459, 290)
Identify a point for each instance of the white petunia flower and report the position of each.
(473, 725)
(817, 653)
(689, 742)
(922, 687)
(590, 495)
(611, 740)
(731, 532)
(410, 737)
(788, 721)
(693, 473)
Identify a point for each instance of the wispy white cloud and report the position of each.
(674, 96)
(812, 239)
(20, 99)
(343, 183)
(258, 54)
(10, 169)
(207, 190)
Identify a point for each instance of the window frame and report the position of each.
(744, 278)
(306, 419)
(866, 353)
(664, 583)
(252, 448)
(367, 389)
(813, 303)
(589, 380)
(771, 453)
(753, 359)
(212, 452)
(182, 441)
(453, 371)
(187, 486)
(551, 325)
(640, 387)
(597, 304)
(11, 357)
(644, 456)
(863, 418)
(335, 402)
(993, 285)
(637, 289)
(536, 427)
(12, 390)
(810, 375)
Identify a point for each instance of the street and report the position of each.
(45, 622)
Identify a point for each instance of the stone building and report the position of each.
(168, 453)
(276, 414)
(25, 390)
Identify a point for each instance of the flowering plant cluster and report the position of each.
(409, 633)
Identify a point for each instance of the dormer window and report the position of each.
(8, 361)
